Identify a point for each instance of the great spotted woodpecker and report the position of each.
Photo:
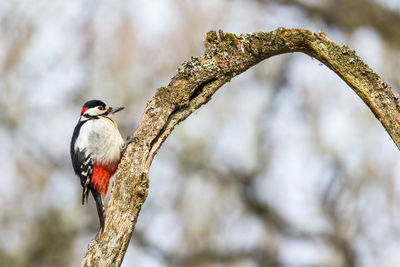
(96, 148)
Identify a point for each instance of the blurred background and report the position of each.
(284, 167)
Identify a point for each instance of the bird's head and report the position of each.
(94, 108)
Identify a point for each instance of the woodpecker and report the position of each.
(96, 148)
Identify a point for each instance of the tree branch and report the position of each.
(225, 56)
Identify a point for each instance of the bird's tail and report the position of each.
(99, 206)
(85, 194)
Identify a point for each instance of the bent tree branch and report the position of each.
(226, 55)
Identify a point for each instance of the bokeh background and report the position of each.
(284, 167)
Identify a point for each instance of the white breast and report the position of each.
(101, 139)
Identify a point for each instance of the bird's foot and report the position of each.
(130, 139)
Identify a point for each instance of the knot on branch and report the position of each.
(210, 38)
(214, 42)
(141, 188)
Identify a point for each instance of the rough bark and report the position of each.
(226, 55)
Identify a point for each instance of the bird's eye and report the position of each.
(101, 107)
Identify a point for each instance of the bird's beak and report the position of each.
(112, 110)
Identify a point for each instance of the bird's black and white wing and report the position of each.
(82, 164)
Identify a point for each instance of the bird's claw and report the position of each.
(130, 139)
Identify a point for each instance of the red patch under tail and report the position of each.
(101, 177)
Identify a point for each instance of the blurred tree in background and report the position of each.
(284, 167)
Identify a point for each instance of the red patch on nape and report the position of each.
(83, 110)
(101, 177)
